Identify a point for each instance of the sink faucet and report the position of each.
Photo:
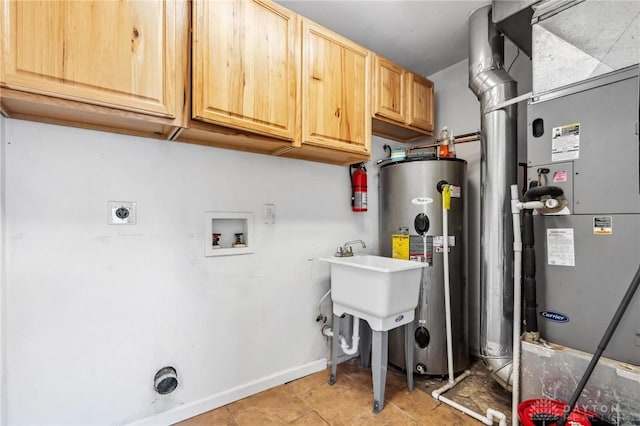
(346, 250)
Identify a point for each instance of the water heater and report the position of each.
(411, 228)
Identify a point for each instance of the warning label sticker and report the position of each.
(455, 191)
(602, 225)
(565, 142)
(421, 249)
(560, 176)
(438, 243)
(400, 246)
(560, 247)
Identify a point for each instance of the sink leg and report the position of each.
(365, 344)
(379, 367)
(335, 348)
(408, 353)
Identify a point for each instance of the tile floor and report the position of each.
(311, 401)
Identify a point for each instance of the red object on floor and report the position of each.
(532, 407)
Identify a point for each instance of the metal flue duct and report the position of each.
(493, 85)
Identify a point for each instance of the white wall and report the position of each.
(94, 310)
(3, 374)
(458, 108)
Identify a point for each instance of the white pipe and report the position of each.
(424, 244)
(321, 317)
(447, 294)
(488, 419)
(322, 299)
(437, 394)
(327, 331)
(355, 339)
(517, 307)
(529, 205)
(497, 415)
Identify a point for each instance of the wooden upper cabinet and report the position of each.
(389, 97)
(266, 80)
(246, 66)
(402, 102)
(420, 102)
(119, 54)
(335, 92)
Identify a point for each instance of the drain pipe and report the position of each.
(328, 331)
(492, 415)
(493, 86)
(355, 339)
(517, 303)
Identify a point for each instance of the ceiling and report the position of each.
(424, 36)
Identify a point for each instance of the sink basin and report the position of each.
(380, 290)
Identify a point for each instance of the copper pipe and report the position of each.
(466, 137)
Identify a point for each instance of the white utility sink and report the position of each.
(380, 290)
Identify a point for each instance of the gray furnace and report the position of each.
(583, 138)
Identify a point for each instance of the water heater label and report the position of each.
(421, 249)
(438, 243)
(455, 191)
(560, 247)
(602, 225)
(565, 142)
(400, 246)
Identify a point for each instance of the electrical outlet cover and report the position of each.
(121, 213)
(270, 214)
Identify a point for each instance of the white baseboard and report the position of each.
(192, 409)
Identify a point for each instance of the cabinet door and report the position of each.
(111, 53)
(389, 85)
(245, 66)
(420, 102)
(336, 110)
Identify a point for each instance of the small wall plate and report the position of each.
(121, 213)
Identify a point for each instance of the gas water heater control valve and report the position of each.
(421, 224)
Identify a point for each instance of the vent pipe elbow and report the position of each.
(486, 53)
(501, 370)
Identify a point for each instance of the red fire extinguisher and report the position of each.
(358, 187)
